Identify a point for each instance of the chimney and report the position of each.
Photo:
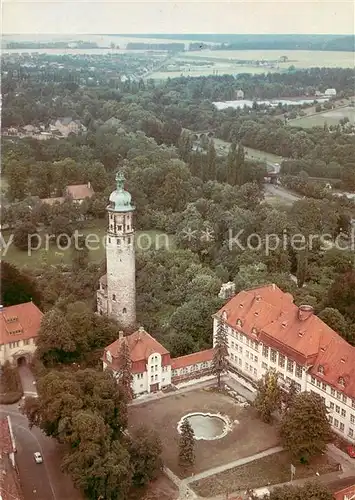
(304, 312)
(120, 335)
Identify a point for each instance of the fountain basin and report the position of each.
(207, 426)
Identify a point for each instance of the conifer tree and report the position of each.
(211, 162)
(240, 165)
(231, 165)
(220, 353)
(268, 396)
(125, 372)
(305, 428)
(186, 445)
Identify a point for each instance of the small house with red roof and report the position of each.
(19, 326)
(152, 367)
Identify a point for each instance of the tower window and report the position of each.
(111, 226)
(118, 241)
(124, 310)
(129, 241)
(119, 228)
(127, 228)
(109, 240)
(114, 297)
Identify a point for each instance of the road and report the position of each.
(39, 481)
(281, 193)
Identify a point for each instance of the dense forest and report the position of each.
(267, 42)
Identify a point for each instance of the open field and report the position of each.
(248, 434)
(297, 58)
(218, 68)
(274, 469)
(252, 154)
(145, 240)
(331, 117)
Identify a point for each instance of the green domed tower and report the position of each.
(116, 296)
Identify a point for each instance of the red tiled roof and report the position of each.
(345, 494)
(141, 345)
(53, 201)
(192, 359)
(269, 315)
(80, 191)
(19, 322)
(6, 445)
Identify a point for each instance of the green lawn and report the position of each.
(331, 117)
(145, 240)
(252, 154)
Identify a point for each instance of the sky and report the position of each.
(189, 16)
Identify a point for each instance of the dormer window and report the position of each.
(256, 313)
(239, 322)
(254, 330)
(321, 369)
(224, 315)
(341, 381)
(284, 324)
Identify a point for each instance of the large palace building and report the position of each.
(267, 330)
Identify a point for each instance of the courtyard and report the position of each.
(247, 434)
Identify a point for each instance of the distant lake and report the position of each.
(72, 52)
(241, 103)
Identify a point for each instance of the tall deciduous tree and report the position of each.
(55, 342)
(220, 353)
(305, 429)
(186, 445)
(17, 286)
(125, 372)
(211, 162)
(145, 451)
(268, 396)
(308, 491)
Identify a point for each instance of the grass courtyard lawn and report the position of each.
(248, 435)
(331, 117)
(274, 469)
(145, 240)
(252, 154)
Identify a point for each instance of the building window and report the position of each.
(298, 371)
(240, 361)
(336, 423)
(109, 240)
(124, 310)
(264, 365)
(342, 426)
(332, 392)
(282, 360)
(345, 399)
(255, 372)
(338, 395)
(318, 383)
(152, 378)
(290, 366)
(352, 419)
(119, 228)
(118, 241)
(353, 403)
(265, 351)
(273, 355)
(343, 413)
(26, 342)
(331, 405)
(129, 241)
(155, 377)
(240, 349)
(298, 388)
(330, 420)
(321, 369)
(324, 386)
(114, 297)
(313, 381)
(337, 409)
(256, 359)
(247, 354)
(351, 432)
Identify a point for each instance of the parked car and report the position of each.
(351, 451)
(38, 457)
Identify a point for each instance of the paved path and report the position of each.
(281, 193)
(231, 465)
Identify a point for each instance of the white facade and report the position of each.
(252, 359)
(16, 349)
(153, 378)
